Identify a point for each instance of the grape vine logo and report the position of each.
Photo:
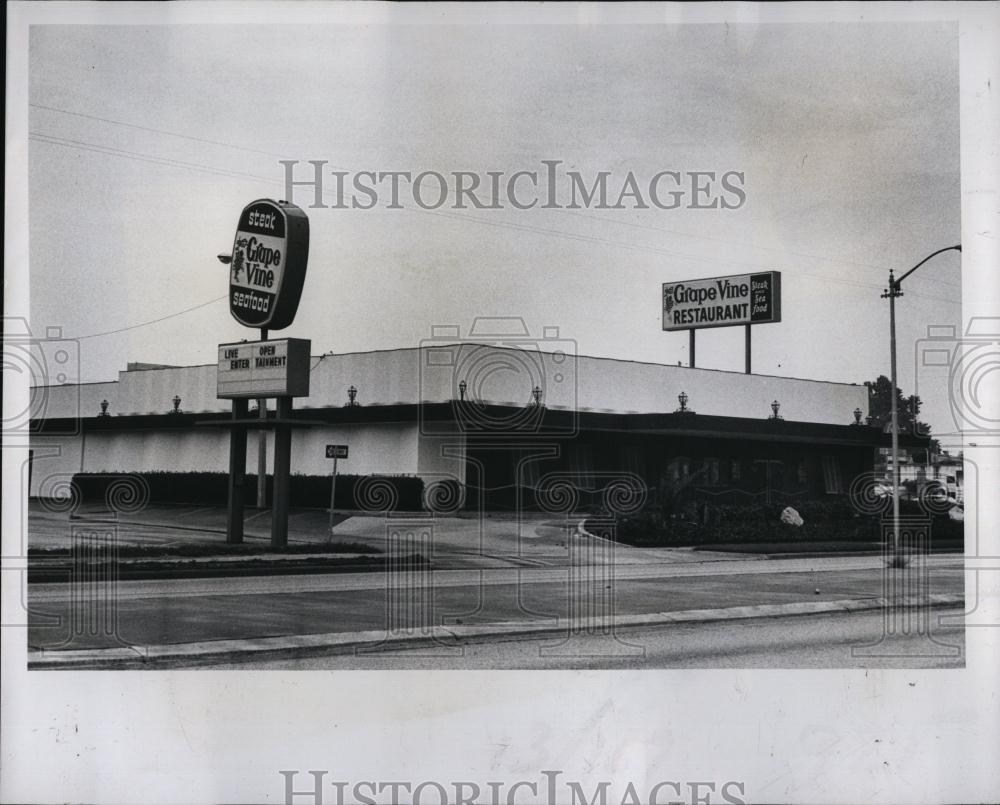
(238, 259)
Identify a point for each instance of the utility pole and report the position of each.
(891, 293)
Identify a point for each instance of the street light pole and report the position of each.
(892, 292)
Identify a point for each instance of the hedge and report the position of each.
(823, 521)
(131, 491)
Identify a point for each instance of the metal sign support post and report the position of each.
(237, 473)
(334, 451)
(747, 326)
(262, 445)
(333, 495)
(691, 348)
(282, 472)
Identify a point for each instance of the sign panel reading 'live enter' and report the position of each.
(268, 265)
(722, 301)
(264, 368)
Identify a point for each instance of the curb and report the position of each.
(294, 646)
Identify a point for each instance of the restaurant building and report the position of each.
(504, 423)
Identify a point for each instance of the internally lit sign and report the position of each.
(722, 301)
(268, 264)
(264, 368)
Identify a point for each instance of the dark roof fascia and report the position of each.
(552, 422)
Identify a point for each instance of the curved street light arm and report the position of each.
(957, 248)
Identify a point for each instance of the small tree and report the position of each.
(907, 409)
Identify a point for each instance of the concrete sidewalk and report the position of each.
(594, 629)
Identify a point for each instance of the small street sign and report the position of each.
(334, 451)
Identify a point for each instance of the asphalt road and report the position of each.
(842, 640)
(142, 613)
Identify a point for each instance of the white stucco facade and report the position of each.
(430, 373)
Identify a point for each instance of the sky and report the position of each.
(147, 141)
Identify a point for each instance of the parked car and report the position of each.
(884, 489)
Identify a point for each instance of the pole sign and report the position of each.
(268, 266)
(722, 301)
(278, 368)
(336, 451)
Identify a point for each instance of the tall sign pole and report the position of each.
(267, 272)
(282, 472)
(237, 473)
(262, 445)
(747, 349)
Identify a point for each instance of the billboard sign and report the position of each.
(277, 368)
(268, 266)
(722, 301)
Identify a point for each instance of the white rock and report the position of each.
(791, 517)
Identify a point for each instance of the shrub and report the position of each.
(705, 523)
(367, 492)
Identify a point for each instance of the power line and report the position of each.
(729, 242)
(170, 162)
(140, 157)
(157, 131)
(152, 321)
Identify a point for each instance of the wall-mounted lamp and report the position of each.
(352, 394)
(775, 407)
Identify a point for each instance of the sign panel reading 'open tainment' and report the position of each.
(722, 301)
(268, 265)
(264, 368)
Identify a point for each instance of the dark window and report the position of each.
(803, 471)
(713, 471)
(832, 480)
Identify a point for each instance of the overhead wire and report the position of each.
(175, 163)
